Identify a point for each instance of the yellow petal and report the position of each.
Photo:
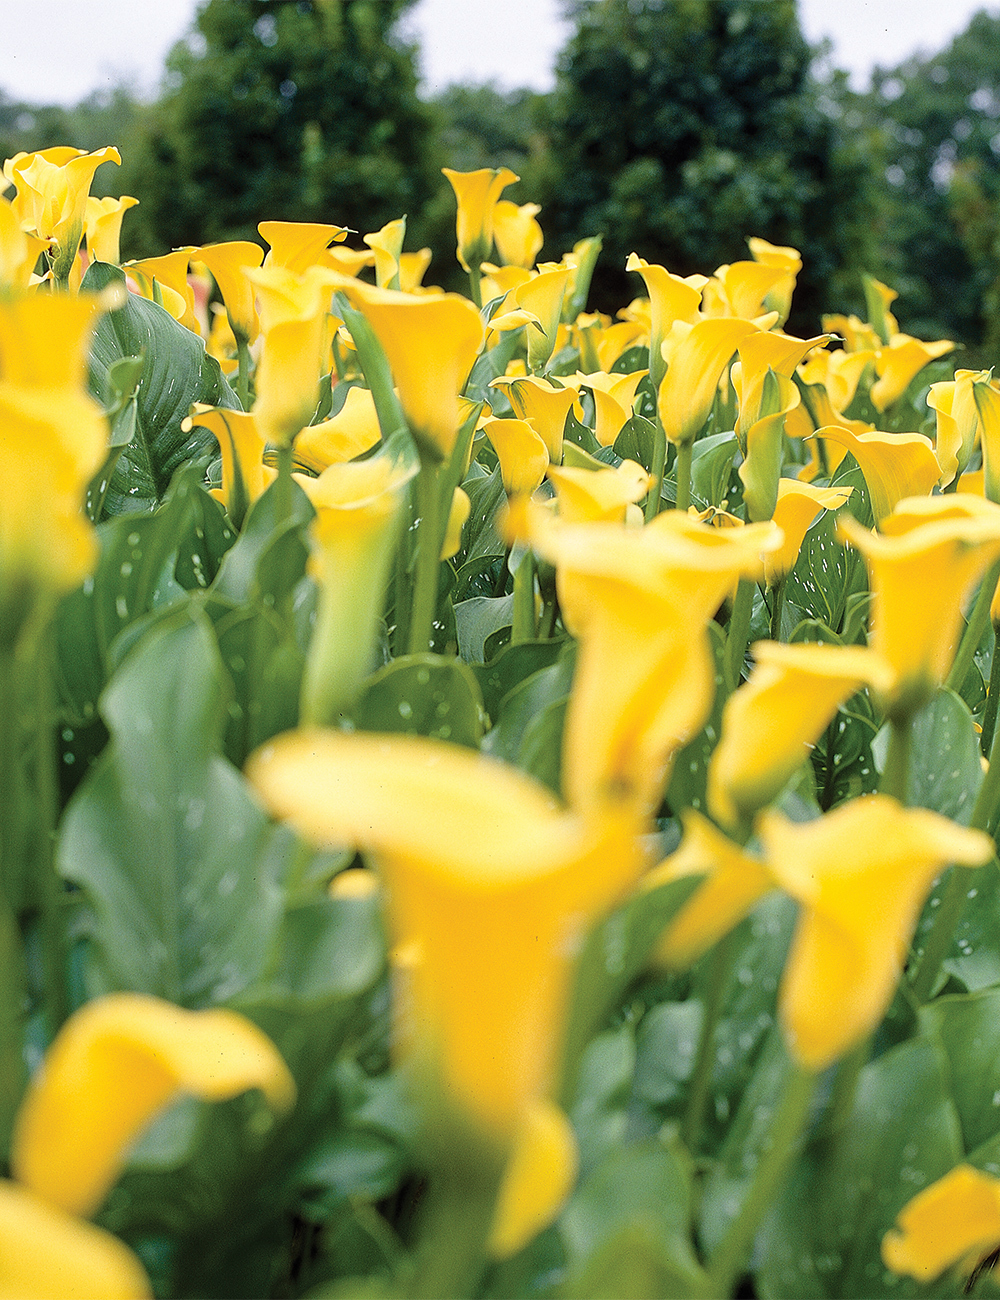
(298, 245)
(518, 235)
(102, 226)
(542, 295)
(603, 494)
(895, 465)
(458, 514)
(171, 273)
(244, 474)
(537, 1181)
(111, 1069)
(353, 430)
(988, 405)
(696, 358)
(387, 245)
(228, 264)
(541, 402)
(797, 506)
(954, 1222)
(523, 455)
(477, 193)
(670, 298)
(899, 363)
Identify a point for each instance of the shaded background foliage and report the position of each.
(676, 128)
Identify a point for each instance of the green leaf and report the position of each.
(525, 703)
(636, 440)
(712, 466)
(477, 619)
(968, 1029)
(513, 665)
(826, 574)
(176, 373)
(945, 770)
(423, 695)
(480, 536)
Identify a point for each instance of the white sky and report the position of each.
(57, 51)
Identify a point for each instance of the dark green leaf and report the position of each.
(423, 695)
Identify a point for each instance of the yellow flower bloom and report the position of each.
(861, 875)
(171, 275)
(988, 405)
(229, 264)
(348, 261)
(696, 356)
(477, 194)
(898, 363)
(614, 396)
(298, 245)
(517, 234)
(103, 226)
(878, 299)
(797, 506)
(115, 1064)
(19, 251)
(895, 465)
(598, 495)
(930, 552)
(671, 298)
(540, 1175)
(764, 446)
(461, 508)
(387, 245)
(244, 474)
(953, 402)
(743, 289)
(541, 402)
(431, 341)
(411, 269)
(858, 336)
(789, 261)
(839, 372)
(52, 189)
(542, 295)
(953, 1223)
(523, 455)
(770, 724)
(352, 431)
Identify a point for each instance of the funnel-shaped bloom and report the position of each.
(742, 289)
(930, 552)
(770, 724)
(540, 1175)
(639, 601)
(953, 402)
(19, 251)
(357, 507)
(953, 1223)
(598, 495)
(788, 260)
(517, 234)
(988, 405)
(764, 446)
(387, 245)
(861, 875)
(759, 353)
(349, 433)
(293, 311)
(458, 515)
(878, 299)
(541, 402)
(523, 455)
(857, 334)
(116, 1063)
(797, 506)
(839, 372)
(491, 882)
(103, 227)
(229, 264)
(895, 465)
(412, 267)
(170, 272)
(431, 341)
(298, 245)
(542, 296)
(613, 396)
(348, 261)
(51, 200)
(244, 474)
(477, 194)
(670, 298)
(897, 365)
(696, 356)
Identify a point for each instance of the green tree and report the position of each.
(684, 126)
(288, 110)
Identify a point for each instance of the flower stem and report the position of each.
(730, 1257)
(13, 973)
(990, 716)
(475, 288)
(283, 485)
(685, 453)
(524, 600)
(243, 372)
(654, 498)
(425, 587)
(974, 629)
(777, 603)
(739, 632)
(721, 961)
(45, 813)
(897, 763)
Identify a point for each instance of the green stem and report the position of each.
(283, 486)
(974, 629)
(739, 632)
(425, 587)
(524, 600)
(475, 288)
(897, 762)
(685, 451)
(777, 602)
(13, 973)
(845, 1085)
(243, 372)
(730, 1257)
(457, 1217)
(721, 963)
(654, 498)
(990, 716)
(547, 622)
(45, 813)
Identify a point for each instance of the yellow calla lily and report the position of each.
(51, 199)
(540, 1175)
(458, 514)
(229, 264)
(477, 194)
(953, 1223)
(770, 723)
(789, 260)
(346, 261)
(244, 474)
(298, 245)
(541, 402)
(115, 1064)
(387, 245)
(542, 295)
(522, 453)
(861, 874)
(930, 552)
(895, 465)
(431, 341)
(671, 297)
(352, 431)
(614, 396)
(412, 267)
(839, 372)
(764, 446)
(19, 251)
(858, 336)
(517, 234)
(598, 495)
(170, 271)
(878, 299)
(953, 402)
(897, 365)
(987, 399)
(45, 1252)
(102, 226)
(759, 353)
(797, 506)
(696, 356)
(743, 288)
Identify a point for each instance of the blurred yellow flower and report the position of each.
(517, 234)
(953, 1223)
(19, 251)
(598, 495)
(352, 431)
(103, 225)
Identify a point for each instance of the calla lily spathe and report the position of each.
(614, 398)
(953, 402)
(796, 508)
(899, 363)
(953, 1223)
(351, 432)
(598, 495)
(517, 234)
(541, 402)
(387, 245)
(987, 399)
(477, 194)
(241, 445)
(170, 274)
(521, 452)
(696, 356)
(542, 296)
(103, 226)
(894, 465)
(671, 297)
(229, 264)
(19, 251)
(298, 245)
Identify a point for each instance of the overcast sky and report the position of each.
(57, 51)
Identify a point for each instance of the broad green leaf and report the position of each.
(945, 770)
(480, 536)
(975, 947)
(712, 467)
(423, 695)
(826, 574)
(635, 441)
(177, 372)
(968, 1029)
(478, 618)
(522, 705)
(600, 1106)
(541, 746)
(513, 665)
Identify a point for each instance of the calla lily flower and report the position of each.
(52, 189)
(387, 245)
(796, 508)
(347, 261)
(764, 446)
(357, 509)
(789, 261)
(857, 334)
(458, 515)
(19, 251)
(742, 289)
(878, 299)
(541, 402)
(103, 225)
(953, 402)
(542, 295)
(517, 234)
(539, 1175)
(895, 465)
(613, 396)
(486, 876)
(115, 1064)
(477, 194)
(760, 352)
(639, 601)
(293, 310)
(839, 372)
(861, 874)
(897, 365)
(522, 453)
(351, 432)
(412, 267)
(431, 342)
(244, 474)
(770, 724)
(170, 272)
(229, 264)
(930, 552)
(953, 1223)
(598, 495)
(298, 245)
(988, 405)
(696, 356)
(671, 298)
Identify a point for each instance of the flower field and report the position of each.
(498, 800)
